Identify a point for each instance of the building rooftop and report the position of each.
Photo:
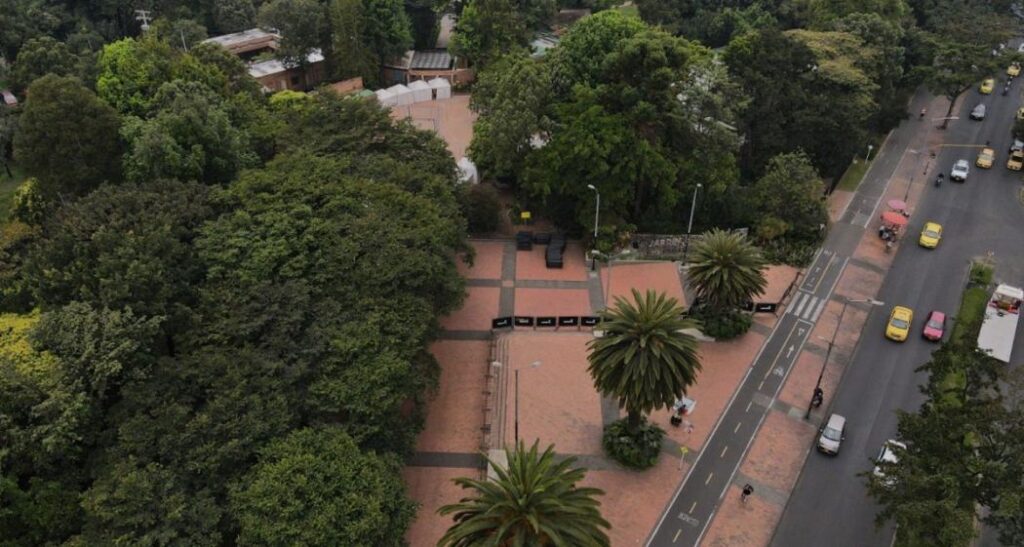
(237, 39)
(437, 59)
(274, 66)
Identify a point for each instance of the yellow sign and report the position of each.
(525, 215)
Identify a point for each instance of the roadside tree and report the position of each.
(789, 213)
(535, 500)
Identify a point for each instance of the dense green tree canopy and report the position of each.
(130, 73)
(49, 143)
(40, 56)
(189, 137)
(315, 487)
(124, 246)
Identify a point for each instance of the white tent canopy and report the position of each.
(467, 171)
(421, 91)
(403, 95)
(442, 88)
(385, 97)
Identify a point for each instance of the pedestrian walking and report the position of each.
(747, 490)
(923, 112)
(688, 425)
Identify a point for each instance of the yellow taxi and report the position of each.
(987, 86)
(930, 235)
(1013, 70)
(898, 327)
(985, 158)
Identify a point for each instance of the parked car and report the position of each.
(960, 171)
(832, 434)
(934, 326)
(887, 456)
(978, 113)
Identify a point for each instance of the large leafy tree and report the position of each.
(125, 246)
(190, 137)
(131, 71)
(511, 98)
(315, 487)
(302, 28)
(41, 56)
(386, 28)
(644, 360)
(726, 270)
(486, 29)
(22, 20)
(58, 112)
(535, 500)
(787, 201)
(953, 456)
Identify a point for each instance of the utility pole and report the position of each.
(145, 16)
(832, 342)
(689, 226)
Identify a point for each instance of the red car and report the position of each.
(935, 326)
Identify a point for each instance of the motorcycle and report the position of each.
(938, 180)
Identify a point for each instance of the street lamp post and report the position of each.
(515, 371)
(608, 286)
(689, 225)
(868, 157)
(597, 213)
(832, 342)
(910, 182)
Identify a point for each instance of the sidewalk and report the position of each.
(777, 454)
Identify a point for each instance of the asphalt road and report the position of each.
(829, 505)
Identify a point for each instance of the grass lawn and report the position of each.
(972, 309)
(853, 175)
(7, 187)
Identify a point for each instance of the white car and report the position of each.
(960, 170)
(832, 435)
(887, 455)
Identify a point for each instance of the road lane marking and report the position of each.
(679, 531)
(666, 513)
(722, 455)
(707, 480)
(818, 310)
(800, 305)
(737, 428)
(823, 273)
(748, 405)
(692, 507)
(813, 301)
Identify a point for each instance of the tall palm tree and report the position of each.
(534, 501)
(644, 359)
(726, 270)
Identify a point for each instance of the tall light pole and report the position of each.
(534, 364)
(597, 213)
(832, 342)
(689, 226)
(910, 182)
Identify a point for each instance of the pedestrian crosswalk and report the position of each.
(806, 306)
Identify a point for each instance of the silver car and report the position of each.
(832, 434)
(960, 171)
(978, 113)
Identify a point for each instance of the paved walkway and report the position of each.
(797, 340)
